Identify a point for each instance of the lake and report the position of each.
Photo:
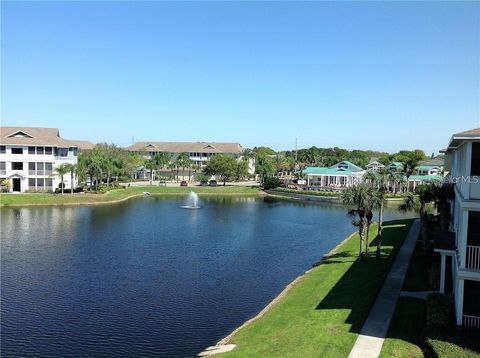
(148, 278)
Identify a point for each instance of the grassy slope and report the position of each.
(324, 312)
(118, 194)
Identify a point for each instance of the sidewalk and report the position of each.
(369, 342)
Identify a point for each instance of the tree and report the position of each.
(72, 168)
(264, 167)
(61, 170)
(358, 196)
(222, 166)
(419, 200)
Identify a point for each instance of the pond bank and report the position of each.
(324, 309)
(115, 196)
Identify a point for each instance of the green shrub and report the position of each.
(271, 183)
(438, 311)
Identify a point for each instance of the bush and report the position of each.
(438, 311)
(271, 183)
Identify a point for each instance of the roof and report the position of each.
(438, 161)
(82, 144)
(458, 138)
(426, 177)
(426, 167)
(375, 162)
(326, 171)
(182, 147)
(33, 136)
(350, 166)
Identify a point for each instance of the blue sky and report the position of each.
(378, 75)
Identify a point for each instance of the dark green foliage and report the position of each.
(271, 183)
(438, 311)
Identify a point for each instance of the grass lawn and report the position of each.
(323, 313)
(117, 194)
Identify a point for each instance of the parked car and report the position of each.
(162, 183)
(183, 183)
(204, 183)
(212, 183)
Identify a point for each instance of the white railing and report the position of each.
(471, 321)
(473, 257)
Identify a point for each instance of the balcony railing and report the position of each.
(473, 257)
(471, 321)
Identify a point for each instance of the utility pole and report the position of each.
(296, 155)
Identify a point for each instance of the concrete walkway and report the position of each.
(369, 342)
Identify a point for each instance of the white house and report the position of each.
(29, 157)
(338, 176)
(374, 166)
(460, 250)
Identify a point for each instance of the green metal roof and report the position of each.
(350, 166)
(426, 177)
(326, 171)
(426, 167)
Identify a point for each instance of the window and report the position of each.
(473, 231)
(49, 182)
(62, 152)
(48, 168)
(31, 150)
(48, 150)
(40, 150)
(3, 167)
(40, 170)
(74, 151)
(475, 159)
(17, 166)
(17, 150)
(31, 168)
(40, 183)
(31, 183)
(3, 149)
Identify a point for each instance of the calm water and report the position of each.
(147, 278)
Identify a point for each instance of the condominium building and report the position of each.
(29, 157)
(199, 153)
(460, 249)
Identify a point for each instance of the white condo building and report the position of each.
(29, 157)
(460, 250)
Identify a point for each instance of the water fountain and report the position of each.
(192, 201)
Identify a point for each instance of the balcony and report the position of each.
(470, 321)
(472, 258)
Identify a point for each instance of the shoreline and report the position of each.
(319, 198)
(226, 341)
(104, 198)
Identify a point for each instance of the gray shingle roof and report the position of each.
(181, 147)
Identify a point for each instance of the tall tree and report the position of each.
(60, 171)
(358, 196)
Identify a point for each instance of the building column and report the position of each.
(459, 302)
(308, 180)
(442, 274)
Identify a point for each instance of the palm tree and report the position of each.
(72, 168)
(358, 196)
(370, 177)
(378, 201)
(61, 170)
(418, 201)
(183, 161)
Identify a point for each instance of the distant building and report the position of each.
(374, 166)
(339, 176)
(198, 152)
(460, 249)
(29, 157)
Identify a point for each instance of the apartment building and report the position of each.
(460, 249)
(29, 157)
